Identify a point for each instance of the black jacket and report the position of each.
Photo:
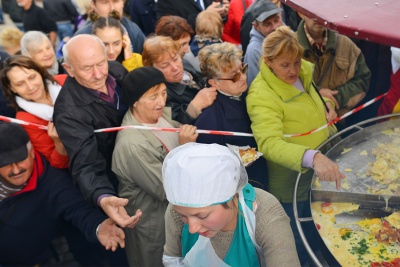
(187, 9)
(60, 10)
(13, 10)
(77, 113)
(28, 221)
(180, 95)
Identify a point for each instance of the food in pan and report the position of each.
(368, 242)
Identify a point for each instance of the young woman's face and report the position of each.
(112, 39)
(208, 221)
(43, 54)
(27, 83)
(285, 68)
(171, 66)
(150, 106)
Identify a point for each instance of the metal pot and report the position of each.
(348, 155)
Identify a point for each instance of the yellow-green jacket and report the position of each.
(277, 108)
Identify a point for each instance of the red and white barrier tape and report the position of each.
(339, 118)
(176, 130)
(21, 122)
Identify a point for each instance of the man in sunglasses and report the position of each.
(266, 18)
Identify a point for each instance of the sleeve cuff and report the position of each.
(308, 158)
(101, 197)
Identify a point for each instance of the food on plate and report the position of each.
(367, 242)
(248, 155)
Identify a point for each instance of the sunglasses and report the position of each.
(237, 76)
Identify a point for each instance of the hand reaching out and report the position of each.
(114, 208)
(327, 170)
(110, 235)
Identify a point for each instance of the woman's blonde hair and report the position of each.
(156, 47)
(209, 24)
(11, 37)
(282, 41)
(217, 58)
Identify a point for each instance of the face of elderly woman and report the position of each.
(285, 68)
(149, 107)
(28, 84)
(208, 221)
(43, 54)
(232, 82)
(171, 66)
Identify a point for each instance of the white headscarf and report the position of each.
(201, 175)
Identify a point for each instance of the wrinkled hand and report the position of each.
(187, 134)
(126, 44)
(327, 170)
(110, 235)
(222, 10)
(204, 98)
(328, 93)
(331, 115)
(52, 132)
(114, 208)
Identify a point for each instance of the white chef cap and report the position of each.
(200, 175)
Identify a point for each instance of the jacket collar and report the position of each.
(38, 169)
(286, 91)
(80, 93)
(301, 35)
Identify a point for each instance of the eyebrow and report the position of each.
(196, 214)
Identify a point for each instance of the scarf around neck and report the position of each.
(40, 110)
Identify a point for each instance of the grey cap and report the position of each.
(264, 9)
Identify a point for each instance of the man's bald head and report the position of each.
(85, 59)
(79, 44)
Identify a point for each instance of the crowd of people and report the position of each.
(135, 197)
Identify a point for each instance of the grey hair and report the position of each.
(65, 49)
(30, 40)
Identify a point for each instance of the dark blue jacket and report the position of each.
(143, 13)
(28, 221)
(227, 114)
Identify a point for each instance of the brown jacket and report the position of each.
(346, 72)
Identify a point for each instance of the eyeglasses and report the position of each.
(237, 76)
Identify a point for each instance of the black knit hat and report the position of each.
(13, 143)
(139, 81)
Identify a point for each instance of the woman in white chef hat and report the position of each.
(215, 218)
